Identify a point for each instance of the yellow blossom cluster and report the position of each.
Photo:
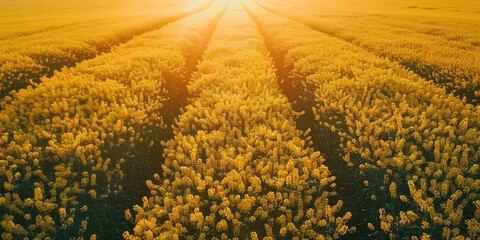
(391, 123)
(451, 63)
(438, 23)
(237, 167)
(24, 23)
(63, 144)
(27, 58)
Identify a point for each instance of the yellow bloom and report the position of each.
(62, 212)
(222, 225)
(385, 227)
(393, 189)
(37, 193)
(253, 236)
(370, 226)
(84, 225)
(128, 215)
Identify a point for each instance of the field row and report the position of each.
(25, 60)
(40, 17)
(237, 167)
(453, 64)
(235, 164)
(414, 147)
(453, 27)
(65, 144)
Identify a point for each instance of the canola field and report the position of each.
(239, 119)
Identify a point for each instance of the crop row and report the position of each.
(415, 148)
(454, 27)
(29, 17)
(454, 65)
(25, 60)
(237, 167)
(65, 143)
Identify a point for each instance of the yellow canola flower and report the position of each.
(222, 225)
(399, 108)
(79, 115)
(38, 195)
(128, 215)
(245, 169)
(393, 190)
(371, 227)
(62, 212)
(93, 193)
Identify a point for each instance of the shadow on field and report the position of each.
(110, 214)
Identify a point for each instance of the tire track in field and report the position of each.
(177, 95)
(423, 72)
(22, 78)
(177, 91)
(238, 122)
(301, 94)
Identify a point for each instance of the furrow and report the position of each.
(25, 61)
(394, 129)
(449, 64)
(76, 148)
(237, 166)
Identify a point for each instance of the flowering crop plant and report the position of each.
(239, 119)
